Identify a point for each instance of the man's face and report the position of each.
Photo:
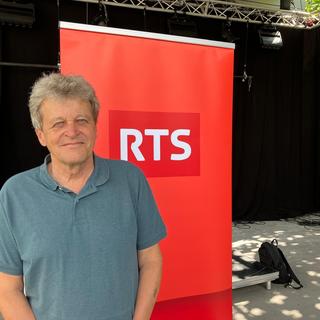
(68, 130)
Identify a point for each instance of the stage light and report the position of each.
(17, 14)
(227, 34)
(270, 37)
(102, 18)
(182, 25)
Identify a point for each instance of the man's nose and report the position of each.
(72, 129)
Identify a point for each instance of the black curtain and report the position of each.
(36, 45)
(276, 130)
(275, 123)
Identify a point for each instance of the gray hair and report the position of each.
(58, 86)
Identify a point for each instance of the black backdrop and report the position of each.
(276, 145)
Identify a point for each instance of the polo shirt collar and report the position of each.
(100, 173)
(45, 177)
(99, 176)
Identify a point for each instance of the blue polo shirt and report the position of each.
(78, 252)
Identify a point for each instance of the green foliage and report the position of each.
(313, 6)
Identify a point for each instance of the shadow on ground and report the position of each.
(301, 246)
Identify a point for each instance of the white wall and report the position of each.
(271, 4)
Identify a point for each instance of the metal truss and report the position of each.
(222, 10)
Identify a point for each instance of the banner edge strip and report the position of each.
(144, 34)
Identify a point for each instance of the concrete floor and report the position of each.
(301, 246)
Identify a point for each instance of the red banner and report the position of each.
(166, 105)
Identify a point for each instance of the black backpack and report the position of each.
(272, 257)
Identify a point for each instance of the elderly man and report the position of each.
(79, 234)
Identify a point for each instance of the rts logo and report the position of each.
(156, 134)
(162, 144)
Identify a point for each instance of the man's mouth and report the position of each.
(70, 144)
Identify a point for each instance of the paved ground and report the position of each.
(299, 239)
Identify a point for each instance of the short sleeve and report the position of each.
(10, 261)
(151, 228)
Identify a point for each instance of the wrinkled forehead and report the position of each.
(56, 101)
(61, 107)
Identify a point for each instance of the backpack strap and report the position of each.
(294, 277)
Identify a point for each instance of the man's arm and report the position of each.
(13, 303)
(150, 271)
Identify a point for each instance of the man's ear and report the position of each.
(41, 137)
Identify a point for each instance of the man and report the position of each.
(79, 234)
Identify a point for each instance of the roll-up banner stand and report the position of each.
(166, 106)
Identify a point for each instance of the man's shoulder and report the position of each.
(121, 166)
(21, 179)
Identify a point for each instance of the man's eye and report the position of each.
(58, 124)
(82, 121)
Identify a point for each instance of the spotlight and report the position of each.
(102, 18)
(226, 33)
(270, 37)
(17, 14)
(182, 25)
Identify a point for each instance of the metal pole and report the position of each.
(28, 65)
